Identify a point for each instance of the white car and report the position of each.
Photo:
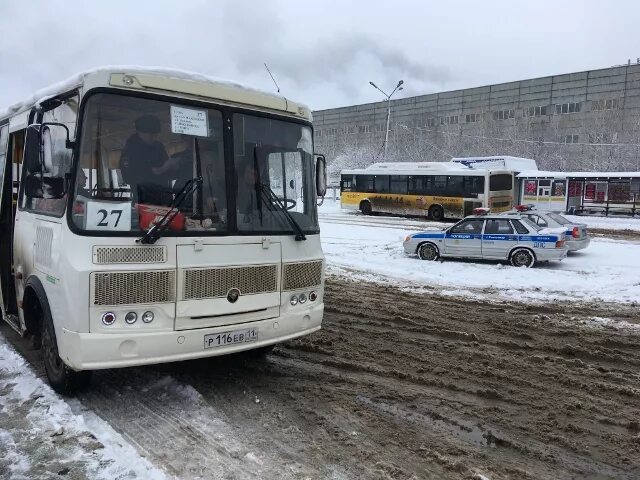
(576, 234)
(493, 237)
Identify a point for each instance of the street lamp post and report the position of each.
(398, 88)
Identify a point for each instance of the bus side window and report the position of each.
(364, 183)
(381, 184)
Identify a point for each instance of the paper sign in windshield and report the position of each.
(188, 121)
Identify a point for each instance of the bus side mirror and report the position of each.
(32, 149)
(47, 150)
(321, 176)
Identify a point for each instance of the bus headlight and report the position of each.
(313, 296)
(131, 318)
(108, 318)
(294, 300)
(302, 298)
(147, 317)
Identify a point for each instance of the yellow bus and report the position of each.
(437, 190)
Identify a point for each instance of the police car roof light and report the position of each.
(481, 211)
(524, 208)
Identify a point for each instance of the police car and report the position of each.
(576, 235)
(496, 237)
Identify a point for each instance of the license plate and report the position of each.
(214, 340)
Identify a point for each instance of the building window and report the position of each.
(535, 111)
(431, 122)
(572, 107)
(449, 120)
(473, 117)
(606, 104)
(603, 137)
(364, 129)
(318, 132)
(569, 139)
(504, 114)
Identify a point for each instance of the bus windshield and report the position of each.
(137, 154)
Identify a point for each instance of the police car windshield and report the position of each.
(136, 154)
(559, 218)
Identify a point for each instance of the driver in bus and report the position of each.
(248, 191)
(142, 154)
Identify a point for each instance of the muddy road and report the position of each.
(397, 386)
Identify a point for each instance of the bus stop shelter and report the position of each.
(602, 193)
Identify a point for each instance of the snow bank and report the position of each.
(610, 223)
(34, 418)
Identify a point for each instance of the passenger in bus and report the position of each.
(142, 154)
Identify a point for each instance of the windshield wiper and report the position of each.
(273, 198)
(156, 231)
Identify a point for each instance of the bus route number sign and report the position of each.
(113, 216)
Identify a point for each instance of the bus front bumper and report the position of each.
(95, 351)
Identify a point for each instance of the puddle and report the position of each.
(468, 433)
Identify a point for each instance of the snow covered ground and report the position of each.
(610, 223)
(42, 437)
(371, 248)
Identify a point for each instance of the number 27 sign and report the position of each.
(109, 216)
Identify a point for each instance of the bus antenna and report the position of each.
(274, 80)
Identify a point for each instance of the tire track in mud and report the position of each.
(399, 386)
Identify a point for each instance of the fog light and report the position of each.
(131, 317)
(108, 318)
(147, 317)
(302, 298)
(313, 296)
(294, 300)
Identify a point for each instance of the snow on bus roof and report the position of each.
(564, 175)
(412, 168)
(76, 80)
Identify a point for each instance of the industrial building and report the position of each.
(578, 121)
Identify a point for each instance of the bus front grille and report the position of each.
(141, 254)
(128, 288)
(301, 275)
(216, 282)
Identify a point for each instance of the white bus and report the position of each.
(437, 190)
(151, 216)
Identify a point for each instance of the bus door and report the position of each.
(465, 238)
(8, 183)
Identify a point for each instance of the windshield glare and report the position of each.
(277, 155)
(530, 224)
(136, 155)
(559, 218)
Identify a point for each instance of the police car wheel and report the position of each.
(522, 258)
(428, 251)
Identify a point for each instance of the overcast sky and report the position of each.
(323, 53)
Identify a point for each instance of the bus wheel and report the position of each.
(365, 208)
(522, 257)
(436, 213)
(62, 379)
(428, 251)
